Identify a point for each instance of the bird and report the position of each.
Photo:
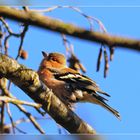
(69, 85)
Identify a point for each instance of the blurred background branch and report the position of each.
(33, 18)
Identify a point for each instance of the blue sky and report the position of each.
(69, 2)
(122, 82)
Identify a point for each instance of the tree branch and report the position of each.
(48, 23)
(0, 34)
(16, 101)
(29, 82)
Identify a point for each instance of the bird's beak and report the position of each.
(44, 54)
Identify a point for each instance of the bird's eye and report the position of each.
(52, 58)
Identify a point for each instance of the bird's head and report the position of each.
(55, 60)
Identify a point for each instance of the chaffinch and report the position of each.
(69, 85)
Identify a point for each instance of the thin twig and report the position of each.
(2, 117)
(89, 18)
(74, 62)
(6, 45)
(1, 37)
(19, 102)
(31, 118)
(10, 116)
(2, 113)
(8, 126)
(21, 131)
(9, 29)
(22, 39)
(22, 35)
(67, 44)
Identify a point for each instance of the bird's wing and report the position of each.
(81, 82)
(78, 81)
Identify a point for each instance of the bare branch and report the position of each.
(10, 116)
(2, 113)
(22, 39)
(2, 118)
(0, 34)
(48, 23)
(74, 62)
(31, 118)
(8, 126)
(29, 82)
(89, 18)
(20, 102)
(8, 28)
(6, 44)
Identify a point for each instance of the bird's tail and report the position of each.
(110, 109)
(101, 101)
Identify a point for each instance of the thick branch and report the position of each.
(29, 82)
(48, 23)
